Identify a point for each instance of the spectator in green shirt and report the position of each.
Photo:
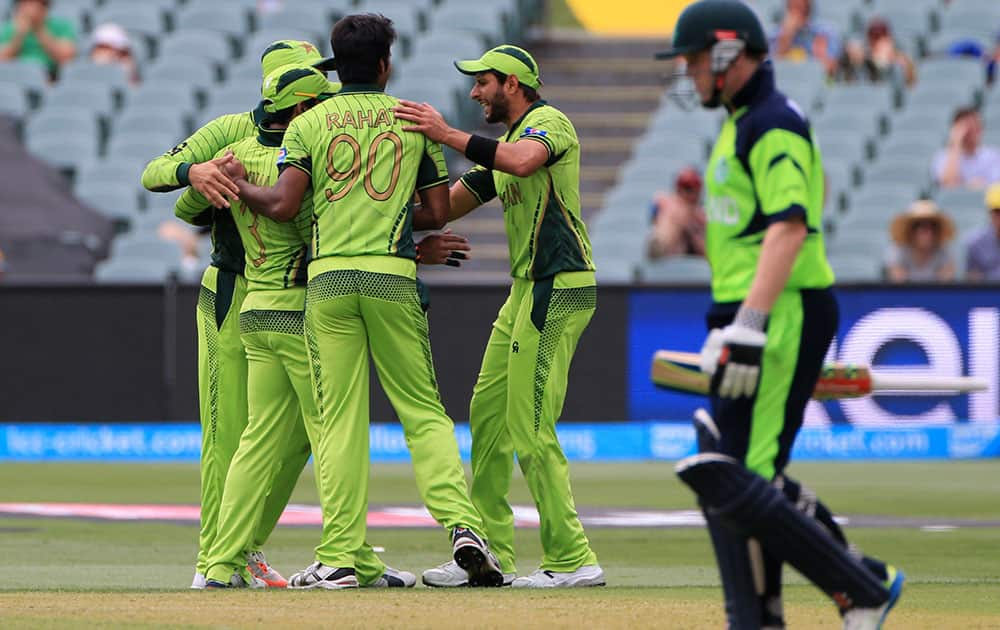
(33, 34)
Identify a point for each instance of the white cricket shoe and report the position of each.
(394, 578)
(198, 583)
(450, 574)
(872, 618)
(590, 575)
(318, 575)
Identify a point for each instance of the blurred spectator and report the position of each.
(110, 44)
(992, 61)
(3, 264)
(801, 37)
(679, 219)
(33, 34)
(919, 254)
(982, 260)
(187, 239)
(877, 59)
(965, 162)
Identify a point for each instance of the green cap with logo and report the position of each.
(505, 59)
(292, 84)
(293, 51)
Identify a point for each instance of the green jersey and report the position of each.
(275, 253)
(545, 232)
(32, 49)
(765, 167)
(364, 170)
(170, 170)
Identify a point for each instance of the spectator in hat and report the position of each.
(919, 253)
(992, 60)
(982, 256)
(110, 44)
(679, 219)
(32, 34)
(801, 37)
(877, 58)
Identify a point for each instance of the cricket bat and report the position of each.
(680, 371)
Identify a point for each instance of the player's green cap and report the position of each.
(289, 85)
(505, 59)
(292, 51)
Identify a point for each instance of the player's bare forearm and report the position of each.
(462, 201)
(434, 208)
(782, 242)
(280, 202)
(62, 50)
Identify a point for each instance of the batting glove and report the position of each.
(738, 369)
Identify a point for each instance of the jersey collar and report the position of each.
(267, 137)
(758, 88)
(517, 123)
(349, 88)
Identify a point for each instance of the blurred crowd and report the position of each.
(920, 239)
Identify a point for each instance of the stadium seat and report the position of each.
(614, 270)
(191, 70)
(161, 204)
(77, 11)
(28, 74)
(85, 95)
(140, 148)
(64, 151)
(148, 247)
(976, 19)
(232, 19)
(117, 203)
(873, 99)
(199, 43)
(254, 47)
(407, 16)
(144, 18)
(246, 72)
(131, 270)
(140, 120)
(15, 101)
(487, 19)
(854, 267)
(62, 119)
(904, 174)
(176, 94)
(692, 270)
(313, 19)
(83, 70)
(439, 48)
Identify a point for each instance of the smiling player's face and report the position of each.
(488, 92)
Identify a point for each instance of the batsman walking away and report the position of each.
(771, 322)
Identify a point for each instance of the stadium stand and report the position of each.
(635, 137)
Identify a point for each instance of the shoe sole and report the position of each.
(895, 592)
(328, 586)
(432, 585)
(473, 561)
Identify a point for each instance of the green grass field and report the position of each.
(59, 571)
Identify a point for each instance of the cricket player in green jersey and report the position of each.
(535, 170)
(282, 415)
(222, 365)
(363, 170)
(771, 322)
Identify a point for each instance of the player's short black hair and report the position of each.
(284, 116)
(530, 94)
(360, 42)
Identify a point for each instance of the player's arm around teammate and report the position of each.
(519, 395)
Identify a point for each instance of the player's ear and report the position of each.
(511, 84)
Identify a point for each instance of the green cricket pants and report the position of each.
(222, 393)
(515, 404)
(353, 305)
(282, 422)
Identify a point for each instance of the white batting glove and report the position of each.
(738, 366)
(710, 351)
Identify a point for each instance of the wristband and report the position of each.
(482, 151)
(751, 318)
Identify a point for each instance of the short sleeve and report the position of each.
(6, 32)
(433, 170)
(778, 163)
(937, 168)
(295, 151)
(479, 182)
(553, 132)
(894, 257)
(62, 29)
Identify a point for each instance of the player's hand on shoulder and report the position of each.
(733, 355)
(443, 248)
(214, 179)
(425, 119)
